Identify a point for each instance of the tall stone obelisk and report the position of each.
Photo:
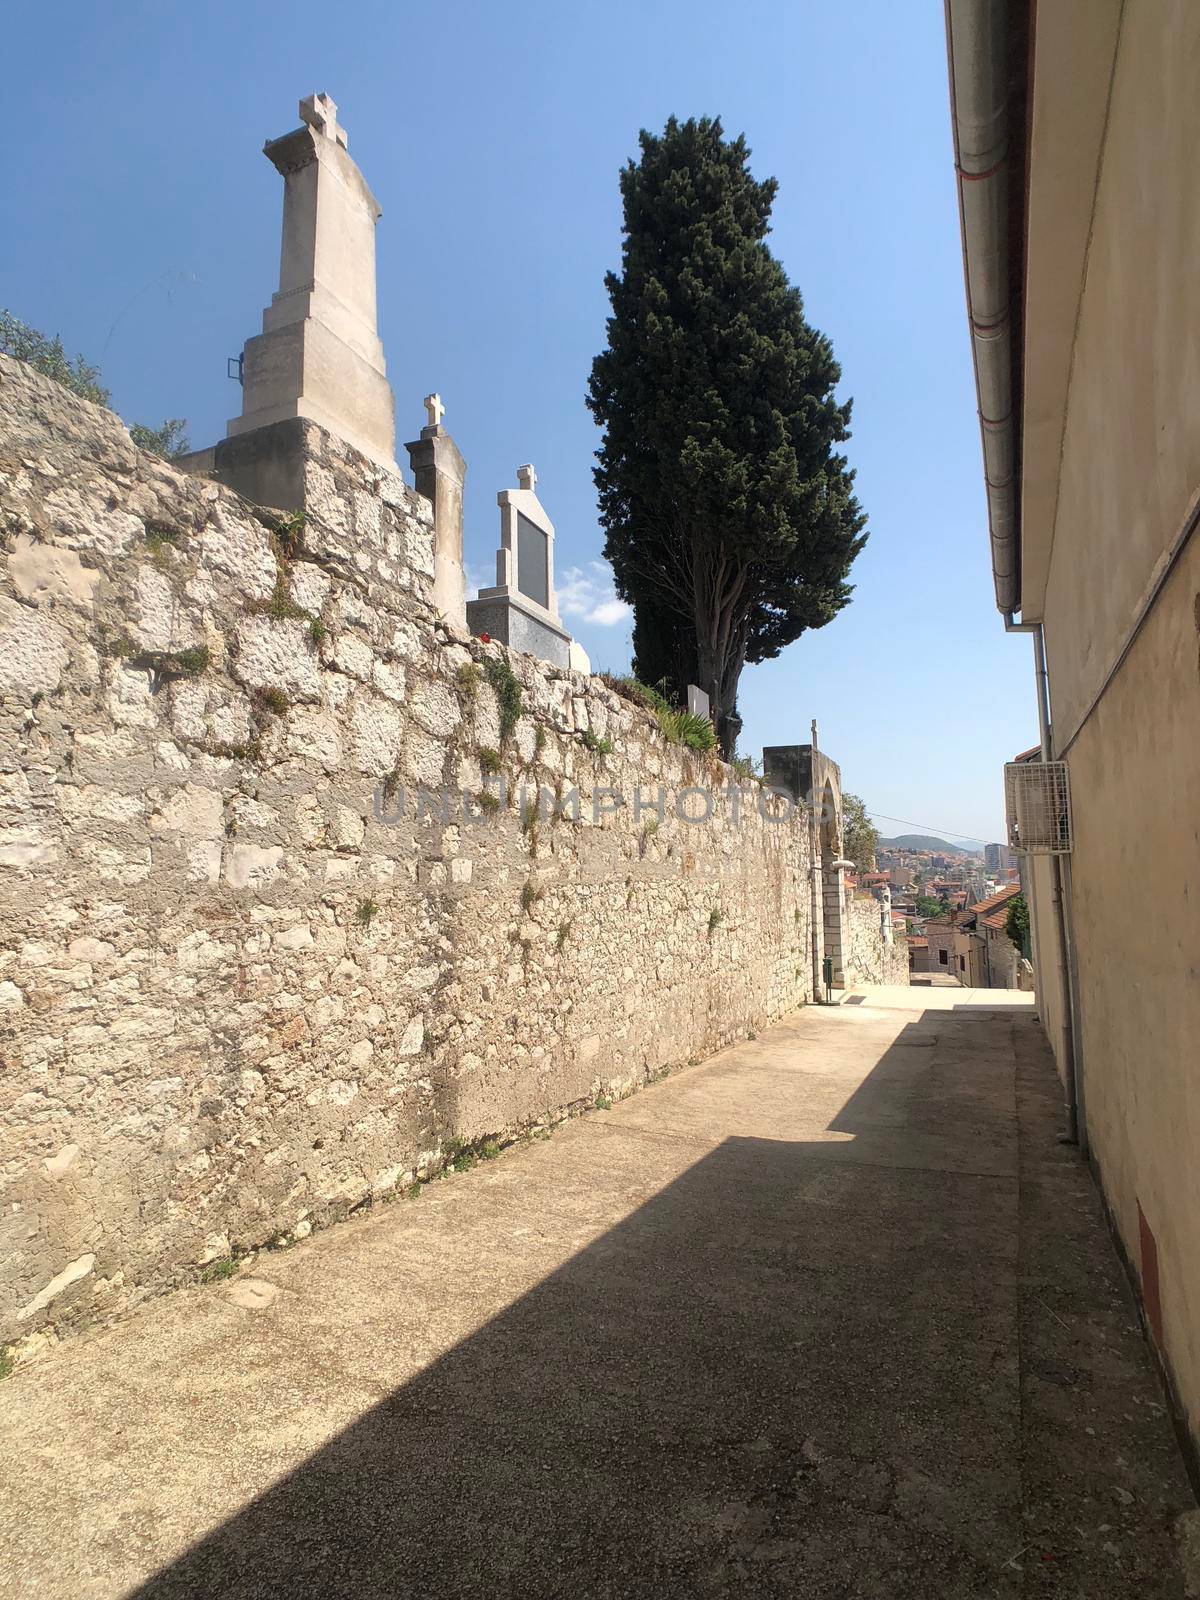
(319, 355)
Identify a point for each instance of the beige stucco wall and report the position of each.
(1038, 886)
(1130, 471)
(1131, 447)
(1135, 773)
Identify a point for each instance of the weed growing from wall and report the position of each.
(507, 689)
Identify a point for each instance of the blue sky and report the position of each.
(492, 135)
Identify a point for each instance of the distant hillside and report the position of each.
(927, 841)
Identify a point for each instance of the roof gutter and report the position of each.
(978, 36)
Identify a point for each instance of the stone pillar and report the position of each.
(440, 473)
(319, 354)
(834, 891)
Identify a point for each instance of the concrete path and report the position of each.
(952, 997)
(829, 1315)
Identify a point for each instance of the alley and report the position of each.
(831, 1314)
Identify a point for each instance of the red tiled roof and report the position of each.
(1030, 755)
(995, 906)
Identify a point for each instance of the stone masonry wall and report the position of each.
(871, 960)
(240, 994)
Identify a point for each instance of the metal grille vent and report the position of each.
(1037, 800)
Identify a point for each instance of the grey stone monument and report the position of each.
(522, 609)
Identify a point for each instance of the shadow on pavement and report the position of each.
(791, 1372)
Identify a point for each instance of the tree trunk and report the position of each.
(721, 625)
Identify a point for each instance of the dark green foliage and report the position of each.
(366, 913)
(926, 906)
(468, 681)
(160, 537)
(489, 761)
(170, 441)
(273, 700)
(641, 694)
(1016, 923)
(48, 357)
(598, 746)
(686, 728)
(215, 1271)
(185, 663)
(507, 687)
(164, 664)
(461, 1155)
(289, 532)
(679, 727)
(730, 518)
(280, 607)
(860, 836)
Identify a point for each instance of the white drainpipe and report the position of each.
(977, 38)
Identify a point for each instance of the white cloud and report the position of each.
(609, 612)
(478, 578)
(589, 593)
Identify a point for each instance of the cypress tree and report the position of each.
(730, 519)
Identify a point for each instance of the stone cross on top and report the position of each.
(320, 113)
(527, 477)
(434, 409)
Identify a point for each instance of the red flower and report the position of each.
(485, 638)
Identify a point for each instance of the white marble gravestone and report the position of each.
(522, 609)
(319, 355)
(698, 702)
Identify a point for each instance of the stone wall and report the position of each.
(246, 983)
(870, 959)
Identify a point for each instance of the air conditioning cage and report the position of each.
(1037, 802)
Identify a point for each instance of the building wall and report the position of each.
(1135, 898)
(1130, 461)
(242, 990)
(1037, 886)
(967, 959)
(1130, 472)
(941, 938)
(1001, 959)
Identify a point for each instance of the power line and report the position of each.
(927, 827)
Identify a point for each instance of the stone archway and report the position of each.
(814, 781)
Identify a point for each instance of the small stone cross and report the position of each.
(527, 477)
(320, 112)
(435, 409)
